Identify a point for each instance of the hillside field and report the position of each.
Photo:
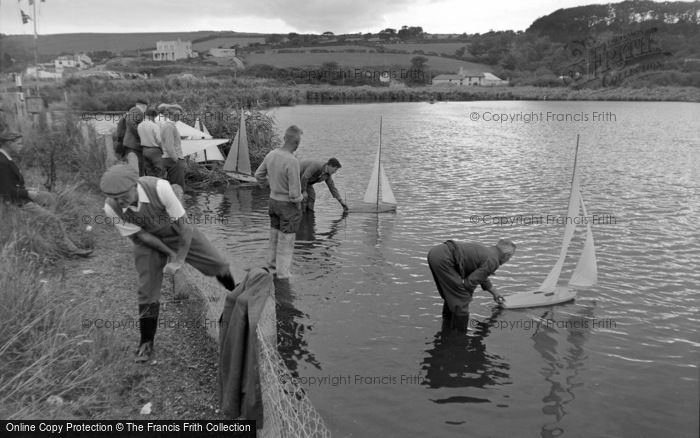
(330, 48)
(91, 42)
(441, 48)
(285, 60)
(118, 42)
(226, 43)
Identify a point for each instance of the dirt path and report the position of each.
(181, 380)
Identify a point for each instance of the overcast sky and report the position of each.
(276, 16)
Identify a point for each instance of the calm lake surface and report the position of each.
(361, 325)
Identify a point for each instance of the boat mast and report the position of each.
(379, 163)
(238, 146)
(36, 51)
(575, 157)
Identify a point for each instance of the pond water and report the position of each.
(361, 324)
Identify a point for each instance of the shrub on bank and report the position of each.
(262, 138)
(63, 152)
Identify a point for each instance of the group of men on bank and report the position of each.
(148, 140)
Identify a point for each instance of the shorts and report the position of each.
(284, 216)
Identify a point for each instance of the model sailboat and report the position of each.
(379, 198)
(237, 164)
(586, 271)
(199, 144)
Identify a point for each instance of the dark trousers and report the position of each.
(150, 263)
(134, 156)
(153, 161)
(175, 171)
(310, 198)
(448, 281)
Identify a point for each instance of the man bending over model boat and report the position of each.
(458, 268)
(313, 172)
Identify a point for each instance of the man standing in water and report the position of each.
(280, 169)
(146, 210)
(458, 268)
(313, 172)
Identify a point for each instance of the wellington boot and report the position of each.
(446, 312)
(272, 250)
(460, 322)
(145, 352)
(285, 249)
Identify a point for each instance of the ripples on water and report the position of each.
(619, 361)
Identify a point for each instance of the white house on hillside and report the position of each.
(173, 50)
(464, 78)
(78, 61)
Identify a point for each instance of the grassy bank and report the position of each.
(69, 326)
(51, 365)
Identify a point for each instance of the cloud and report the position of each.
(338, 16)
(276, 16)
(303, 16)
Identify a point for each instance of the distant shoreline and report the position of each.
(326, 94)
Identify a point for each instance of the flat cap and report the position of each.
(163, 107)
(118, 179)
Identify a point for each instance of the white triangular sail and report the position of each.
(379, 185)
(586, 272)
(199, 145)
(238, 159)
(202, 127)
(385, 189)
(203, 150)
(550, 283)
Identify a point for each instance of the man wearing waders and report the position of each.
(458, 268)
(280, 169)
(147, 210)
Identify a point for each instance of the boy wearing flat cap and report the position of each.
(146, 210)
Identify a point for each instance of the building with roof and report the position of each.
(173, 50)
(463, 78)
(79, 61)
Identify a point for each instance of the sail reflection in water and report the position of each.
(563, 360)
(376, 234)
(460, 360)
